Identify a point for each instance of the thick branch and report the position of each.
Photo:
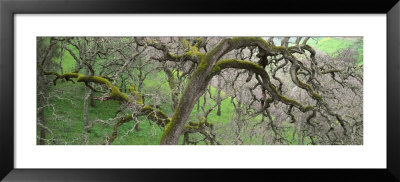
(240, 64)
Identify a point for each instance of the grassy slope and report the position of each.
(71, 128)
(331, 45)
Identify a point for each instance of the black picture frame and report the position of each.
(9, 8)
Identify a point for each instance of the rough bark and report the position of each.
(219, 96)
(86, 115)
(46, 56)
(195, 88)
(173, 86)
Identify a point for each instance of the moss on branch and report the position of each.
(240, 64)
(156, 115)
(94, 79)
(167, 129)
(310, 89)
(118, 95)
(138, 96)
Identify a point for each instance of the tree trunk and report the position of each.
(43, 88)
(219, 97)
(88, 94)
(198, 106)
(238, 121)
(173, 87)
(62, 58)
(300, 136)
(86, 115)
(193, 91)
(92, 100)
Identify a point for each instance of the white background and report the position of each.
(370, 155)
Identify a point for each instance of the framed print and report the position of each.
(142, 90)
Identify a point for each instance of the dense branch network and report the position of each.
(272, 74)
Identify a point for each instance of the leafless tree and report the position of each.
(287, 87)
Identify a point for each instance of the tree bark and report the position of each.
(43, 88)
(92, 100)
(62, 58)
(195, 88)
(192, 93)
(173, 87)
(86, 115)
(219, 96)
(299, 135)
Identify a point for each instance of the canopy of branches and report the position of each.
(200, 90)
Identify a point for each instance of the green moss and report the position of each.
(95, 79)
(137, 95)
(288, 100)
(310, 89)
(185, 43)
(147, 108)
(278, 48)
(117, 94)
(197, 125)
(216, 68)
(170, 77)
(238, 41)
(205, 59)
(114, 90)
(188, 127)
(132, 88)
(203, 121)
(306, 108)
(174, 56)
(193, 52)
(71, 75)
(247, 40)
(317, 95)
(126, 119)
(283, 97)
(203, 64)
(162, 114)
(198, 42)
(309, 108)
(156, 114)
(168, 128)
(233, 63)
